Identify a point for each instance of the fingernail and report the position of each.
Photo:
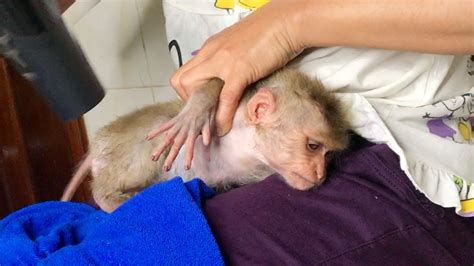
(166, 168)
(186, 167)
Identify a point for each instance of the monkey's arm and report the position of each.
(197, 116)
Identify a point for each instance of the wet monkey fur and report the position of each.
(285, 123)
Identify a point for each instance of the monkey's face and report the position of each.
(293, 128)
(298, 155)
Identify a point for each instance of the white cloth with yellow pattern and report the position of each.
(421, 105)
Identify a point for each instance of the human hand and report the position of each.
(240, 55)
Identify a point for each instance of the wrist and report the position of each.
(296, 23)
(291, 17)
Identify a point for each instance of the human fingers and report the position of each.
(176, 78)
(209, 48)
(198, 76)
(228, 102)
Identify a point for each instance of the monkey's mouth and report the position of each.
(302, 182)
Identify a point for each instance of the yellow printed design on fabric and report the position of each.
(467, 206)
(466, 130)
(247, 4)
(466, 194)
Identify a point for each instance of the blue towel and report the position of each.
(163, 225)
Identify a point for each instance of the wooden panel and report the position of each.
(4, 202)
(45, 138)
(15, 170)
(77, 137)
(38, 152)
(64, 4)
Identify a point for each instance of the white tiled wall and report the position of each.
(125, 43)
(116, 103)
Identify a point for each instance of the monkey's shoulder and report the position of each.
(144, 118)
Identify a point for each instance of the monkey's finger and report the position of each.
(158, 151)
(152, 134)
(198, 76)
(176, 79)
(168, 140)
(178, 143)
(228, 102)
(189, 150)
(206, 133)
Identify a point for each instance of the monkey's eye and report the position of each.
(313, 145)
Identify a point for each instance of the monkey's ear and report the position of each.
(261, 107)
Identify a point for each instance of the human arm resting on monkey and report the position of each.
(275, 33)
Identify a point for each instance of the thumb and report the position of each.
(228, 103)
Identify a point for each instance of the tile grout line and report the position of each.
(140, 20)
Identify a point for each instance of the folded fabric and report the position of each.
(163, 225)
(367, 212)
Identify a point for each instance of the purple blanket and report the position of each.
(366, 213)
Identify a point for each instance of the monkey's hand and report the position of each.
(196, 117)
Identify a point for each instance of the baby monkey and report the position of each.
(285, 123)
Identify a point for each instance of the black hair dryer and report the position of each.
(36, 42)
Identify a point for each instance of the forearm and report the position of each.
(416, 25)
(275, 33)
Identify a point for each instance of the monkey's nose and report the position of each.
(320, 170)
